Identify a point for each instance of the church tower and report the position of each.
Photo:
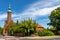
(9, 12)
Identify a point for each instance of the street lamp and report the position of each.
(12, 33)
(28, 32)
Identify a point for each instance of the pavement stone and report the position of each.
(2, 39)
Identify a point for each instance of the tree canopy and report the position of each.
(23, 26)
(55, 18)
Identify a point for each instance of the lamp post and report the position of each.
(28, 32)
(12, 33)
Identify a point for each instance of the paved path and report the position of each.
(2, 39)
(29, 38)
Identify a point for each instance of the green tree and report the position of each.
(28, 26)
(45, 33)
(17, 22)
(52, 28)
(25, 26)
(55, 18)
(1, 30)
(11, 28)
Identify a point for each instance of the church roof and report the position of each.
(9, 8)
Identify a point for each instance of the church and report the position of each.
(9, 19)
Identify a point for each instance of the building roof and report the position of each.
(39, 26)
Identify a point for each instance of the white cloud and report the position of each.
(34, 12)
(31, 12)
(4, 16)
(39, 8)
(45, 3)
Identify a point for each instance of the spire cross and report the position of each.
(9, 5)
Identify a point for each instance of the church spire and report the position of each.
(9, 9)
(9, 13)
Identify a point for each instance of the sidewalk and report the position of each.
(42, 37)
(2, 39)
(26, 38)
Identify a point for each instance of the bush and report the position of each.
(45, 33)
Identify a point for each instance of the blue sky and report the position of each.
(38, 10)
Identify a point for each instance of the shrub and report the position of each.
(45, 33)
